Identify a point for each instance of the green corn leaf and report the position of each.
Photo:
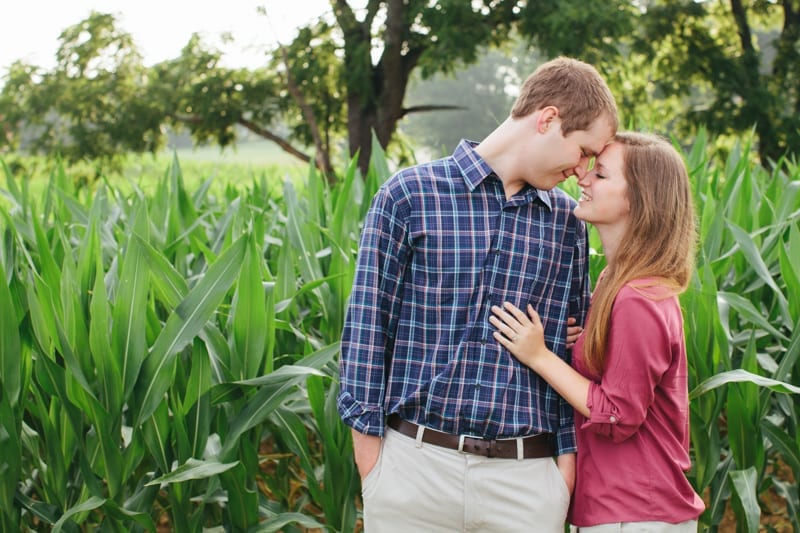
(11, 185)
(168, 283)
(293, 433)
(249, 317)
(747, 309)
(10, 457)
(193, 469)
(198, 425)
(199, 381)
(739, 375)
(126, 515)
(758, 265)
(280, 521)
(789, 492)
(225, 392)
(184, 324)
(46, 512)
(790, 357)
(11, 366)
(276, 388)
(745, 487)
(789, 256)
(108, 368)
(156, 434)
(242, 503)
(89, 505)
(784, 444)
(128, 338)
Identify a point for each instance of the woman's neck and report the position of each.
(610, 238)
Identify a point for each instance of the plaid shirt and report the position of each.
(440, 246)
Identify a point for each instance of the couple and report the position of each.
(455, 362)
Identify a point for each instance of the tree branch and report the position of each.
(743, 27)
(258, 130)
(431, 107)
(323, 159)
(280, 141)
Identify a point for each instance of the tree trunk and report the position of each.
(374, 92)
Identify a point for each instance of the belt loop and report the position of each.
(461, 444)
(420, 432)
(520, 450)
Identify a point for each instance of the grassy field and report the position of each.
(256, 152)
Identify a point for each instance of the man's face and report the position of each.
(570, 155)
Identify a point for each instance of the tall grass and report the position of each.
(168, 356)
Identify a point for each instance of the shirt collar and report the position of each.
(474, 170)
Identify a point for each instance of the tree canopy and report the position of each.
(673, 65)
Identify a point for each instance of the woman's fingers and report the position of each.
(518, 315)
(504, 328)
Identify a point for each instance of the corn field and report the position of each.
(168, 361)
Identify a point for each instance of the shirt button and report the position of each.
(612, 419)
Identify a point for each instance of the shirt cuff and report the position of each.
(366, 419)
(565, 440)
(602, 420)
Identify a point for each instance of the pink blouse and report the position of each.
(634, 448)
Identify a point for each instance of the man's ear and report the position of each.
(546, 117)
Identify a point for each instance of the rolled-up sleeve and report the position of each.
(372, 312)
(639, 353)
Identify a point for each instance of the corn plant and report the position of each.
(742, 314)
(156, 348)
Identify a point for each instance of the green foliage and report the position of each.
(93, 105)
(742, 335)
(170, 354)
(164, 353)
(728, 67)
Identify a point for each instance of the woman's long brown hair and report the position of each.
(660, 239)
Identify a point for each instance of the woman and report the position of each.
(628, 383)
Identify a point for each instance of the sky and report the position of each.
(29, 29)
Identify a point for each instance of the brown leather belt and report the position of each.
(534, 446)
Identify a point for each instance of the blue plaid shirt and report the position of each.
(440, 246)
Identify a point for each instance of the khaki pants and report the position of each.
(427, 488)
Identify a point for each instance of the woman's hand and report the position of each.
(521, 335)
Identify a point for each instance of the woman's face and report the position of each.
(604, 190)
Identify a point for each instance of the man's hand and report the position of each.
(566, 465)
(366, 449)
(573, 332)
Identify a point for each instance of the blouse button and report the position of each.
(612, 419)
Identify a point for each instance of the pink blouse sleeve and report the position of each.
(639, 353)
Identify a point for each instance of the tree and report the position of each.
(94, 104)
(344, 76)
(736, 64)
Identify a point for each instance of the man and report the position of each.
(450, 432)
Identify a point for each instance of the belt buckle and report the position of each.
(461, 443)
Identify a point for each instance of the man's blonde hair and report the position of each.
(574, 87)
